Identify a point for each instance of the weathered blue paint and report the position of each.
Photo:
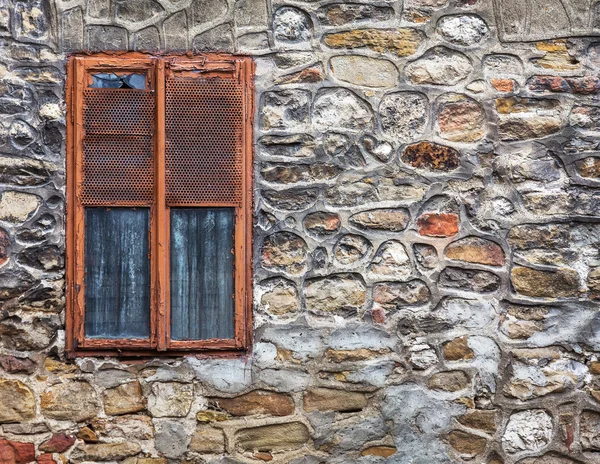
(202, 285)
(117, 273)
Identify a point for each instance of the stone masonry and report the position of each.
(426, 240)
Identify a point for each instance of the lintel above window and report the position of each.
(159, 204)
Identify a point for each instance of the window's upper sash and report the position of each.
(94, 67)
(200, 67)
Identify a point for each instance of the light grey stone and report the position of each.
(227, 375)
(439, 66)
(219, 38)
(175, 32)
(404, 115)
(292, 26)
(418, 417)
(466, 30)
(339, 109)
(529, 430)
(172, 437)
(355, 337)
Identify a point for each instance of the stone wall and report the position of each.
(427, 266)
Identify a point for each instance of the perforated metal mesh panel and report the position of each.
(204, 128)
(118, 167)
(118, 111)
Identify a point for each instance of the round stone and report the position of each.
(404, 115)
(364, 71)
(466, 30)
(292, 25)
(439, 66)
(341, 109)
(284, 251)
(351, 248)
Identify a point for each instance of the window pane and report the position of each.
(113, 81)
(117, 273)
(202, 286)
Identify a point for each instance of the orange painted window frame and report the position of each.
(159, 343)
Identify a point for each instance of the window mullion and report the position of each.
(160, 308)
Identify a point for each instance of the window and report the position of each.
(159, 204)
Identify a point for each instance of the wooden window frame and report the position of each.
(159, 342)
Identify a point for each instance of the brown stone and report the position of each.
(382, 451)
(460, 119)
(335, 293)
(479, 419)
(431, 156)
(504, 85)
(256, 402)
(206, 416)
(393, 220)
(4, 243)
(281, 299)
(75, 401)
(476, 250)
(589, 167)
(400, 42)
(593, 282)
(449, 381)
(590, 430)
(351, 248)
(467, 443)
(395, 295)
(17, 403)
(322, 223)
(59, 443)
(329, 399)
(53, 365)
(273, 437)
(207, 439)
(284, 251)
(87, 435)
(124, 399)
(594, 367)
(438, 224)
(107, 451)
(563, 282)
(515, 105)
(457, 350)
(310, 75)
(557, 56)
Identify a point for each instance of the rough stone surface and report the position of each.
(341, 109)
(363, 71)
(404, 114)
(527, 431)
(76, 401)
(425, 268)
(401, 42)
(276, 437)
(439, 66)
(17, 401)
(431, 156)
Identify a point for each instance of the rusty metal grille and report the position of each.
(204, 129)
(118, 111)
(117, 170)
(118, 151)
